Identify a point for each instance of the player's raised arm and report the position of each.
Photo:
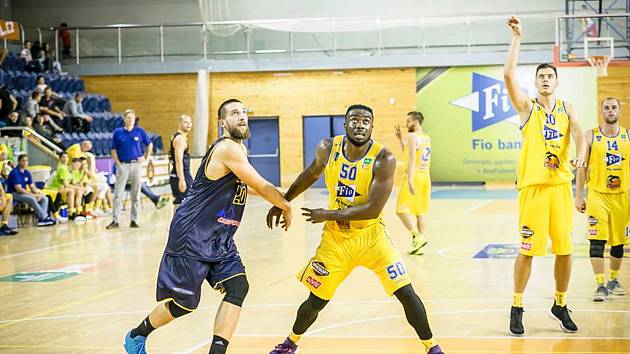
(519, 99)
(380, 189)
(580, 178)
(232, 155)
(578, 135)
(304, 180)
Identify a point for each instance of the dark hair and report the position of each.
(40, 77)
(416, 116)
(27, 41)
(546, 66)
(76, 159)
(63, 24)
(63, 153)
(611, 98)
(35, 94)
(221, 111)
(22, 156)
(78, 94)
(359, 106)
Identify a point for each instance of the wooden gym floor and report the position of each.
(79, 288)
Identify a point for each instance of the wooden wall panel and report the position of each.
(616, 84)
(158, 100)
(390, 92)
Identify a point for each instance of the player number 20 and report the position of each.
(240, 196)
(396, 270)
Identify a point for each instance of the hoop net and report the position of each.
(600, 63)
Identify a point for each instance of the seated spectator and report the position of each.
(8, 104)
(26, 55)
(35, 48)
(66, 40)
(14, 120)
(75, 115)
(6, 165)
(23, 189)
(50, 104)
(6, 206)
(45, 130)
(41, 84)
(44, 56)
(32, 110)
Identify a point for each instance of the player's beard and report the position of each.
(236, 133)
(359, 143)
(411, 129)
(611, 120)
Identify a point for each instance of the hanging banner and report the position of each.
(474, 129)
(9, 30)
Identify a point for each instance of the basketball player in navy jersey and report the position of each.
(200, 241)
(179, 158)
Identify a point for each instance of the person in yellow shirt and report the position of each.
(606, 204)
(415, 188)
(545, 195)
(6, 206)
(77, 182)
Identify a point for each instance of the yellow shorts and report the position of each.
(607, 215)
(545, 212)
(418, 203)
(337, 255)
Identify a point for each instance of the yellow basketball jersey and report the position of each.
(348, 183)
(545, 155)
(423, 153)
(608, 163)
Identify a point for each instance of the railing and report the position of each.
(318, 37)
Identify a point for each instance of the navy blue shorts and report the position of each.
(180, 277)
(177, 195)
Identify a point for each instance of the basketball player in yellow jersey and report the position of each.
(359, 175)
(415, 188)
(544, 182)
(607, 198)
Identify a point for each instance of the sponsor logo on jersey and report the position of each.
(592, 220)
(346, 191)
(551, 161)
(319, 268)
(312, 282)
(592, 232)
(228, 217)
(526, 232)
(551, 133)
(613, 182)
(598, 138)
(613, 159)
(366, 162)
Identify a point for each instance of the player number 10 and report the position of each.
(395, 270)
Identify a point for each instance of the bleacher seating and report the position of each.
(22, 83)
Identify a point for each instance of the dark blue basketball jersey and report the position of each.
(185, 159)
(204, 224)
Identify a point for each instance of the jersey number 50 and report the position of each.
(348, 172)
(396, 270)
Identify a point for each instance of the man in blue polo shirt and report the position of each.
(128, 154)
(21, 186)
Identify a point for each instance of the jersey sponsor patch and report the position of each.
(346, 191)
(613, 159)
(551, 133)
(592, 220)
(526, 246)
(551, 161)
(319, 268)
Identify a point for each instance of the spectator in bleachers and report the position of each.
(74, 114)
(23, 189)
(8, 104)
(44, 56)
(13, 121)
(127, 152)
(25, 54)
(6, 206)
(6, 165)
(45, 130)
(49, 105)
(31, 110)
(66, 40)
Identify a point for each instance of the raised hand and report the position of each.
(398, 132)
(515, 25)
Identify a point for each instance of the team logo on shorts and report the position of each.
(592, 220)
(312, 282)
(183, 291)
(613, 182)
(526, 246)
(551, 161)
(319, 268)
(526, 232)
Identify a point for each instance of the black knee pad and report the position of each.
(616, 251)
(175, 310)
(315, 303)
(597, 248)
(235, 290)
(405, 292)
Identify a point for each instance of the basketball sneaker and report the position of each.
(562, 315)
(516, 322)
(135, 345)
(435, 350)
(417, 245)
(287, 347)
(615, 288)
(601, 293)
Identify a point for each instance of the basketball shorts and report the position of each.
(607, 215)
(418, 203)
(177, 195)
(338, 254)
(180, 278)
(546, 212)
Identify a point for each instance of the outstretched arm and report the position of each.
(381, 188)
(519, 99)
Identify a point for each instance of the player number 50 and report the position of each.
(396, 270)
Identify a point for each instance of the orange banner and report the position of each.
(9, 30)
